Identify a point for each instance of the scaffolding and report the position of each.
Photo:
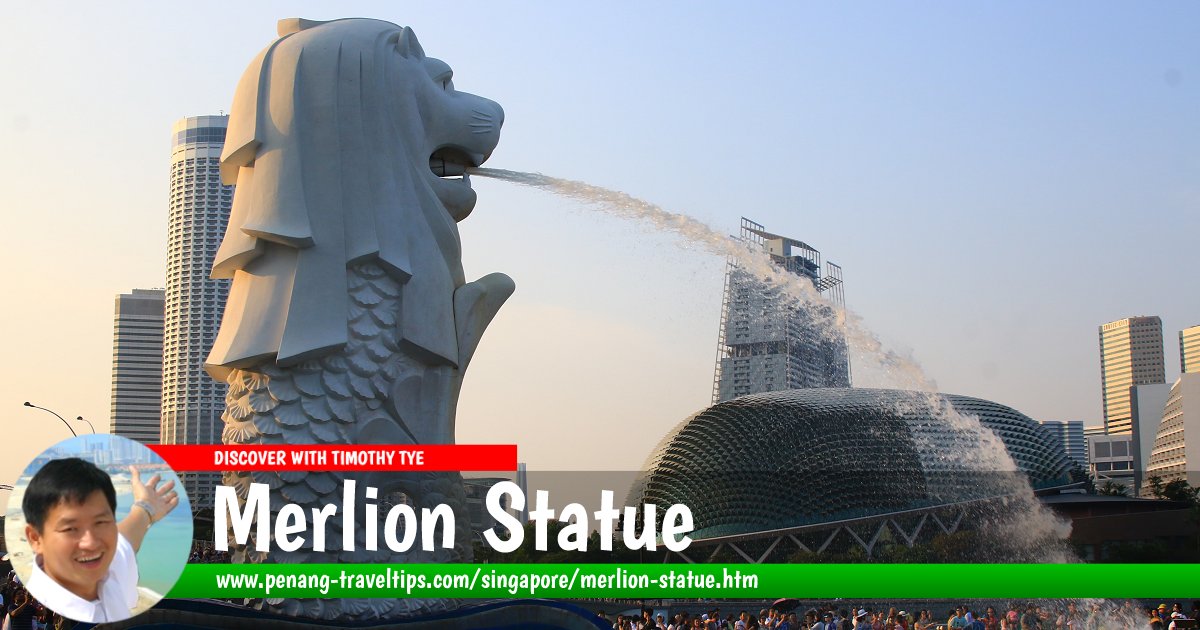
(757, 326)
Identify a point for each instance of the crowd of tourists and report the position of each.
(204, 553)
(22, 612)
(1094, 615)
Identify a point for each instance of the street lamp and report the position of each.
(64, 421)
(82, 419)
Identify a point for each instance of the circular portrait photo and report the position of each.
(98, 528)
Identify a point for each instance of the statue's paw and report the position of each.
(475, 304)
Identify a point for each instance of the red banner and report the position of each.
(346, 457)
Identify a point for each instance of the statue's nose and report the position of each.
(492, 110)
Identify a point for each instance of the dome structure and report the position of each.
(787, 458)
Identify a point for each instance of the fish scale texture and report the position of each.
(328, 401)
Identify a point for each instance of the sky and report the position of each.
(996, 180)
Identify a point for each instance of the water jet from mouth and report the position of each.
(1027, 519)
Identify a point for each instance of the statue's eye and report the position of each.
(445, 80)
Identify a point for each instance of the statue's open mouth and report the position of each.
(452, 163)
(452, 184)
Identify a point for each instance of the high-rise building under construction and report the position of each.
(769, 341)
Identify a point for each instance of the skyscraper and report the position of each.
(1131, 353)
(192, 402)
(1070, 435)
(768, 344)
(136, 407)
(1189, 350)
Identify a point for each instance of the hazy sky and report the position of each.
(996, 179)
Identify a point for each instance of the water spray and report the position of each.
(1027, 520)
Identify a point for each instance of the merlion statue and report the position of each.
(349, 319)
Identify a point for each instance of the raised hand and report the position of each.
(159, 500)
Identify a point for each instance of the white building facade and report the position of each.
(1110, 458)
(1147, 403)
(1176, 452)
(192, 402)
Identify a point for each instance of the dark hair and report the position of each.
(70, 479)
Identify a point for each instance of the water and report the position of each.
(163, 552)
(1041, 532)
(873, 360)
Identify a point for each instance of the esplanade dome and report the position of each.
(797, 457)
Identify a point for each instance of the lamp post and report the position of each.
(89, 422)
(64, 421)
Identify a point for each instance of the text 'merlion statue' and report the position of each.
(349, 320)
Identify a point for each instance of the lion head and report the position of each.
(344, 141)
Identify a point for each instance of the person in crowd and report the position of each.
(957, 620)
(1011, 619)
(1030, 620)
(42, 618)
(22, 611)
(989, 619)
(1072, 619)
(1094, 616)
(1154, 622)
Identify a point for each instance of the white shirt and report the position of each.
(118, 590)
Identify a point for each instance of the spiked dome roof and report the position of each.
(805, 456)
